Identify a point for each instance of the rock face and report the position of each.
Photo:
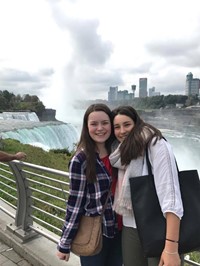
(48, 115)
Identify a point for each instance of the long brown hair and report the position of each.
(87, 144)
(135, 143)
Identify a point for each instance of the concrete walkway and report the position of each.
(8, 257)
(39, 251)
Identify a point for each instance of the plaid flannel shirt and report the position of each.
(87, 199)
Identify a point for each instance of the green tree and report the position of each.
(3, 103)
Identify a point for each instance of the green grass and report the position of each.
(52, 159)
(193, 256)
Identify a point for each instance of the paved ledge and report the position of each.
(40, 251)
(8, 257)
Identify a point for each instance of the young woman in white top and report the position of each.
(134, 135)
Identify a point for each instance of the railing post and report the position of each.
(23, 219)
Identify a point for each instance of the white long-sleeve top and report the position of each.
(165, 174)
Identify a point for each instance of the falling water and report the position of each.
(26, 128)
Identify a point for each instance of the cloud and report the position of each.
(140, 69)
(14, 75)
(23, 82)
(79, 48)
(177, 52)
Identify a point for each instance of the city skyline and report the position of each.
(192, 87)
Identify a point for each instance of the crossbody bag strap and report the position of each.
(105, 205)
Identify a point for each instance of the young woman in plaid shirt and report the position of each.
(90, 180)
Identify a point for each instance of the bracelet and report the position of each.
(171, 240)
(170, 253)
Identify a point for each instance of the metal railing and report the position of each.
(38, 195)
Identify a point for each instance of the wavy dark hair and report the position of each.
(140, 136)
(87, 144)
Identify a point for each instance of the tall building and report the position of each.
(133, 87)
(142, 87)
(153, 92)
(192, 85)
(115, 95)
(122, 95)
(112, 94)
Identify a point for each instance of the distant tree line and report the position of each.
(161, 101)
(154, 102)
(15, 103)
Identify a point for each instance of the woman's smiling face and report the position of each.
(123, 125)
(99, 126)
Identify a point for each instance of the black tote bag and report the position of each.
(150, 221)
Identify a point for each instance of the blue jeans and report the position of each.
(110, 255)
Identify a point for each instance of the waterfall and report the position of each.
(53, 136)
(24, 116)
(26, 128)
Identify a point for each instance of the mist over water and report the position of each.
(186, 147)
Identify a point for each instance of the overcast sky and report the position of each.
(63, 50)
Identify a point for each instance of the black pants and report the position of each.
(110, 255)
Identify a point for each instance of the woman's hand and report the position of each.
(63, 256)
(20, 155)
(169, 259)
